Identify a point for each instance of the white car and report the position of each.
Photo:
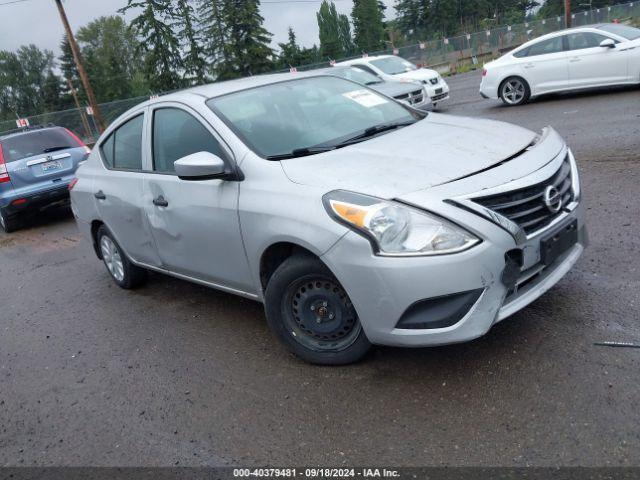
(394, 68)
(573, 59)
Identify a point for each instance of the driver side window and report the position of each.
(177, 134)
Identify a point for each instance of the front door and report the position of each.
(194, 223)
(591, 65)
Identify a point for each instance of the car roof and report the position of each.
(596, 26)
(25, 131)
(346, 63)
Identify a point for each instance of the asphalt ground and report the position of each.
(177, 374)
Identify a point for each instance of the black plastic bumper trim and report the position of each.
(439, 312)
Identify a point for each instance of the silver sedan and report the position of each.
(356, 220)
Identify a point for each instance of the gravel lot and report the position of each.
(176, 374)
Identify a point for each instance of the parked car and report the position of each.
(410, 93)
(573, 59)
(36, 166)
(394, 68)
(354, 219)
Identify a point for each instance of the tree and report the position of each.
(213, 33)
(335, 32)
(111, 56)
(158, 44)
(368, 26)
(290, 51)
(184, 25)
(248, 50)
(28, 84)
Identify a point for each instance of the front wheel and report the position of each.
(515, 91)
(312, 314)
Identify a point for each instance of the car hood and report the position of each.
(395, 89)
(418, 75)
(436, 150)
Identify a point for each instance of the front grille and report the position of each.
(412, 98)
(435, 98)
(526, 207)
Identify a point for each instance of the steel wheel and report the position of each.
(514, 91)
(322, 317)
(112, 258)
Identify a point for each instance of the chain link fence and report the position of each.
(447, 55)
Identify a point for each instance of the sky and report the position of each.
(38, 22)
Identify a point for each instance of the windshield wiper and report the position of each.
(372, 131)
(301, 152)
(55, 149)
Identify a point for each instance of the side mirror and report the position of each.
(200, 166)
(608, 43)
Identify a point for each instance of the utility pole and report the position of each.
(81, 71)
(567, 13)
(85, 122)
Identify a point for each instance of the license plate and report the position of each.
(49, 166)
(438, 91)
(555, 244)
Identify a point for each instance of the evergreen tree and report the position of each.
(161, 49)
(368, 26)
(213, 33)
(344, 32)
(248, 50)
(290, 51)
(184, 26)
(332, 35)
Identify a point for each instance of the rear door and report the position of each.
(591, 65)
(118, 190)
(39, 160)
(545, 65)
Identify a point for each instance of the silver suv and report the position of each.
(356, 220)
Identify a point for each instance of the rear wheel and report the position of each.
(123, 272)
(7, 223)
(515, 91)
(312, 314)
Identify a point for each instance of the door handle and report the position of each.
(576, 59)
(160, 202)
(100, 195)
(529, 65)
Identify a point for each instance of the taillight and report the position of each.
(4, 175)
(484, 72)
(78, 141)
(72, 184)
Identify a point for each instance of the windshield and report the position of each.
(393, 65)
(357, 75)
(280, 118)
(630, 33)
(35, 143)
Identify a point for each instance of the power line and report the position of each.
(14, 1)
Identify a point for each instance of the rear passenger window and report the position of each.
(123, 149)
(177, 134)
(553, 45)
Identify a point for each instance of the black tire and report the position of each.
(127, 275)
(310, 312)
(8, 224)
(520, 97)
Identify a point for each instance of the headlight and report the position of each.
(397, 230)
